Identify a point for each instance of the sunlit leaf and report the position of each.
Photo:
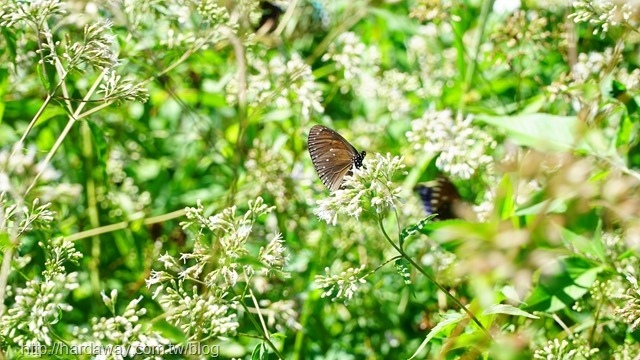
(508, 310)
(564, 281)
(447, 319)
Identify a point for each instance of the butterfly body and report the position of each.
(440, 197)
(332, 155)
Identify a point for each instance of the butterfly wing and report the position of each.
(270, 17)
(332, 155)
(440, 197)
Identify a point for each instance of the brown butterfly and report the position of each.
(332, 156)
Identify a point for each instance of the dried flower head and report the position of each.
(431, 10)
(629, 311)
(521, 34)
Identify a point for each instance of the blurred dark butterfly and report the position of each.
(270, 17)
(440, 197)
(620, 92)
(332, 156)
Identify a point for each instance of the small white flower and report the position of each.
(274, 254)
(341, 287)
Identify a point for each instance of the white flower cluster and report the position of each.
(18, 168)
(604, 14)
(341, 287)
(274, 254)
(555, 350)
(13, 13)
(358, 62)
(221, 241)
(393, 89)
(198, 314)
(463, 148)
(593, 65)
(351, 55)
(285, 84)
(124, 330)
(371, 183)
(435, 68)
(121, 89)
(38, 305)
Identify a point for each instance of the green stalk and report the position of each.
(265, 336)
(92, 208)
(487, 5)
(431, 278)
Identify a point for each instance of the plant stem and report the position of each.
(125, 224)
(264, 336)
(72, 120)
(473, 63)
(432, 279)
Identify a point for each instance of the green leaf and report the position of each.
(169, 331)
(506, 199)
(620, 92)
(508, 310)
(98, 140)
(412, 229)
(557, 205)
(260, 352)
(627, 133)
(402, 267)
(455, 230)
(558, 290)
(539, 131)
(50, 112)
(5, 242)
(44, 79)
(10, 43)
(590, 247)
(447, 319)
